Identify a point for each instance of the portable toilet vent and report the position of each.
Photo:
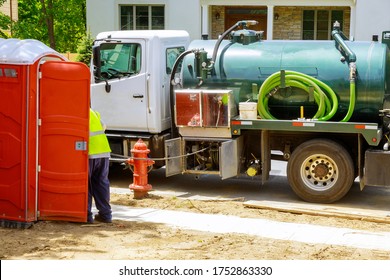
(44, 123)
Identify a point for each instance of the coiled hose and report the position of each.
(324, 96)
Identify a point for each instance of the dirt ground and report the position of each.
(123, 240)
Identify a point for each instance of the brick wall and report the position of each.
(217, 25)
(289, 24)
(287, 27)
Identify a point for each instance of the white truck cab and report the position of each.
(131, 74)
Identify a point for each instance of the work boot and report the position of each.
(99, 218)
(90, 219)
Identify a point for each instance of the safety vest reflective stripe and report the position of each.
(94, 133)
(98, 143)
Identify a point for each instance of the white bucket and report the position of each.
(248, 110)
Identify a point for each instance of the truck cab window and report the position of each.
(118, 60)
(171, 56)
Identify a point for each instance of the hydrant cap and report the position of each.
(140, 145)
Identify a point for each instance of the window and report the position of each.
(171, 55)
(10, 72)
(318, 24)
(142, 17)
(118, 60)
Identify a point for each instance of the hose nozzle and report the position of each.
(250, 22)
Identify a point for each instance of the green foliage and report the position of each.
(70, 24)
(30, 24)
(57, 23)
(5, 22)
(85, 49)
(3, 35)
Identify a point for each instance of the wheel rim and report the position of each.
(319, 172)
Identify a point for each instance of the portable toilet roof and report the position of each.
(27, 52)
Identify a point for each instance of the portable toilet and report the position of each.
(44, 129)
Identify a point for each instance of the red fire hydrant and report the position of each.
(141, 163)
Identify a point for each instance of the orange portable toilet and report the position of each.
(44, 129)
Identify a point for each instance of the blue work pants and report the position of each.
(99, 188)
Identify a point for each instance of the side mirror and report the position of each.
(97, 63)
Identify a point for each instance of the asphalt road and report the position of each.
(276, 190)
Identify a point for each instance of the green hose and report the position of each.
(324, 96)
(351, 102)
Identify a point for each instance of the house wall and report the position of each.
(287, 27)
(217, 25)
(103, 15)
(10, 8)
(372, 18)
(292, 17)
(362, 18)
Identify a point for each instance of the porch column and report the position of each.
(352, 23)
(270, 22)
(205, 20)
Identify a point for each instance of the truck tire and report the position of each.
(321, 171)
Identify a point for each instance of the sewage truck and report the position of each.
(231, 106)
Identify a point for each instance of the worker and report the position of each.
(98, 182)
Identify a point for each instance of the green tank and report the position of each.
(244, 63)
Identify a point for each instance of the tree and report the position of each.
(57, 23)
(30, 24)
(70, 25)
(48, 15)
(85, 49)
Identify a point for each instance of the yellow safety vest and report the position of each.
(98, 143)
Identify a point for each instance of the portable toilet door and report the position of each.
(31, 188)
(64, 89)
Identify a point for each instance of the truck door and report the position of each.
(64, 91)
(120, 92)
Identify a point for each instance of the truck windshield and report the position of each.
(119, 60)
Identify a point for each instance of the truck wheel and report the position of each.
(320, 171)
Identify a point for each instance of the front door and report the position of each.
(64, 98)
(235, 14)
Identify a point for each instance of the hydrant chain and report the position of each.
(141, 162)
(155, 159)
